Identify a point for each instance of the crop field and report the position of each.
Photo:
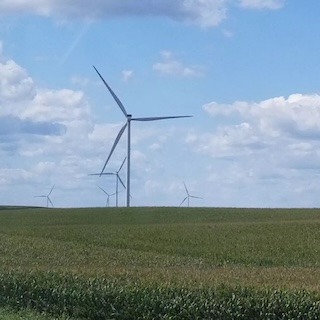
(160, 263)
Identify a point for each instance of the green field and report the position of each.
(100, 263)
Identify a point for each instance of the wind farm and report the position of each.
(159, 160)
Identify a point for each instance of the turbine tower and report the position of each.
(118, 178)
(48, 198)
(188, 196)
(129, 118)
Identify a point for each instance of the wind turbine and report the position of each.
(48, 197)
(129, 118)
(118, 178)
(108, 196)
(188, 196)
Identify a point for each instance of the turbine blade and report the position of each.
(186, 188)
(40, 196)
(114, 146)
(122, 164)
(103, 191)
(50, 202)
(121, 181)
(51, 190)
(183, 201)
(158, 118)
(195, 197)
(112, 93)
(102, 174)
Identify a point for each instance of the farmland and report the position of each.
(101, 262)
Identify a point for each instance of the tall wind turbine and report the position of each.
(48, 198)
(108, 196)
(118, 178)
(188, 196)
(129, 118)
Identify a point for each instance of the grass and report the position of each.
(193, 248)
(11, 314)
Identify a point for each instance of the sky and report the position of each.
(247, 71)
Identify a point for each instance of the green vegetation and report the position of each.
(10, 314)
(161, 263)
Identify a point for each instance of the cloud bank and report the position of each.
(277, 139)
(38, 121)
(205, 13)
(297, 117)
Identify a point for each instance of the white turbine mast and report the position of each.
(129, 118)
(108, 196)
(48, 198)
(188, 196)
(118, 178)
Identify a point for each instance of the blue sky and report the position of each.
(246, 70)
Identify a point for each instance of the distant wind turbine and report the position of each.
(108, 196)
(118, 178)
(48, 198)
(129, 118)
(188, 196)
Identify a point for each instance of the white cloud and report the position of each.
(204, 13)
(277, 137)
(261, 4)
(297, 116)
(171, 66)
(39, 122)
(15, 84)
(58, 105)
(127, 75)
(8, 176)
